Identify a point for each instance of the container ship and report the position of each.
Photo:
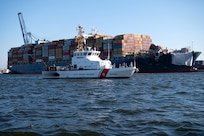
(32, 58)
(121, 50)
(124, 49)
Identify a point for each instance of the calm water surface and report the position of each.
(146, 104)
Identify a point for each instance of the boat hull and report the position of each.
(125, 72)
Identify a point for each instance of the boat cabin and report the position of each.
(89, 59)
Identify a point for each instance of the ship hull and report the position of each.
(165, 69)
(148, 64)
(34, 68)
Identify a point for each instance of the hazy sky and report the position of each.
(170, 23)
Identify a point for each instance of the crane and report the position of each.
(27, 36)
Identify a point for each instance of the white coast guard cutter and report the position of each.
(87, 64)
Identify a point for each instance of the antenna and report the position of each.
(94, 31)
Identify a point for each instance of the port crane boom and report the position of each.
(27, 36)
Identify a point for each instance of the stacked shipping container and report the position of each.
(28, 53)
(107, 48)
(129, 44)
(13, 56)
(20, 55)
(62, 50)
(146, 41)
(66, 49)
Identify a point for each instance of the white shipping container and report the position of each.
(39, 60)
(51, 57)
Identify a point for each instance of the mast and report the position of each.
(80, 38)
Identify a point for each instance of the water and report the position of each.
(146, 104)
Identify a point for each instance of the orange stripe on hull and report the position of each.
(104, 73)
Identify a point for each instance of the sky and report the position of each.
(172, 24)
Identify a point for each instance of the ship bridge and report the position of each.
(89, 59)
